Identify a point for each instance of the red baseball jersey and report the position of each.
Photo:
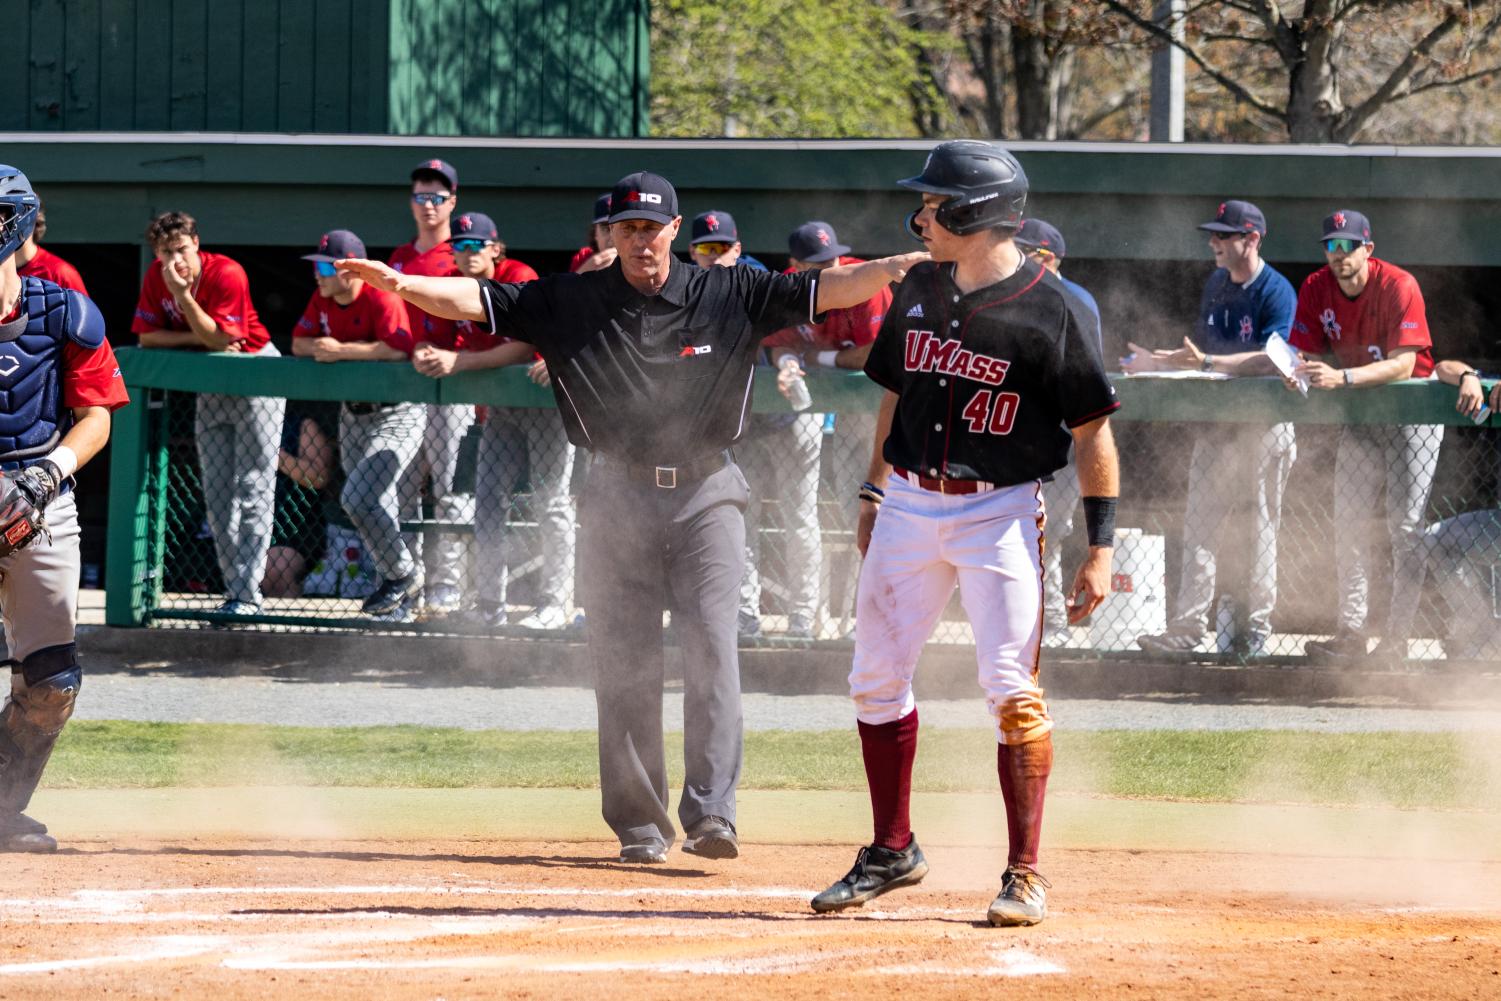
(848, 327)
(579, 257)
(467, 335)
(436, 262)
(223, 292)
(1388, 315)
(374, 315)
(54, 269)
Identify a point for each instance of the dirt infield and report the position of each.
(234, 918)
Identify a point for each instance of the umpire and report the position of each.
(651, 364)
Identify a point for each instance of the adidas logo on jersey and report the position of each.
(915, 310)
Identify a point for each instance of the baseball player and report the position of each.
(58, 384)
(193, 299)
(506, 442)
(984, 358)
(599, 252)
(786, 464)
(35, 261)
(435, 186)
(1367, 316)
(1245, 302)
(346, 320)
(1044, 243)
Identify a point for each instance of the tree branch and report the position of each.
(1397, 82)
(1223, 79)
(1459, 81)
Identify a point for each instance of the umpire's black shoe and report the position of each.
(392, 594)
(19, 833)
(712, 837)
(876, 871)
(648, 852)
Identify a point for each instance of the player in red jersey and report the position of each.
(195, 300)
(35, 261)
(1367, 317)
(600, 253)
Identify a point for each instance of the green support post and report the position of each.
(137, 489)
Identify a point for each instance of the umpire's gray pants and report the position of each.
(376, 452)
(238, 440)
(782, 464)
(1233, 466)
(1402, 458)
(535, 440)
(643, 548)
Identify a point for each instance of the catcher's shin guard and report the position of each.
(42, 693)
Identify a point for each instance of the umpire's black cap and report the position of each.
(643, 195)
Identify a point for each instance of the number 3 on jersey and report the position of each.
(985, 419)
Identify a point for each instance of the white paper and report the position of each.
(1286, 360)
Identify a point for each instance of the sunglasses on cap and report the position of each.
(1221, 237)
(324, 269)
(712, 249)
(1342, 245)
(468, 246)
(431, 197)
(1041, 252)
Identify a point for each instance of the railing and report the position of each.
(166, 566)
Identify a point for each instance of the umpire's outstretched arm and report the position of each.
(455, 298)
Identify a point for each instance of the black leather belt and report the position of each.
(366, 409)
(670, 477)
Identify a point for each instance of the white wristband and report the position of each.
(828, 359)
(65, 459)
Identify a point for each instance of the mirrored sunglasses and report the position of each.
(712, 249)
(470, 246)
(431, 197)
(1341, 245)
(325, 269)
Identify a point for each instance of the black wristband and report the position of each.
(1099, 520)
(867, 485)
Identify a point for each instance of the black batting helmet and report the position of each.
(987, 187)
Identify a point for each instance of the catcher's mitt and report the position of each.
(21, 521)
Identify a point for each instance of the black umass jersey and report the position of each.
(987, 381)
(657, 380)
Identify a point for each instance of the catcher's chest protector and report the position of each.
(32, 416)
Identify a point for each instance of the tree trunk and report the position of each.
(1036, 92)
(1314, 104)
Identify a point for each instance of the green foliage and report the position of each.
(782, 68)
(1398, 769)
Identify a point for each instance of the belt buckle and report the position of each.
(671, 477)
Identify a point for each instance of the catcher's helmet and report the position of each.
(18, 208)
(987, 187)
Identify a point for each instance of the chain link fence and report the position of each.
(1248, 539)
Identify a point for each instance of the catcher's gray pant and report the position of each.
(437, 462)
(1402, 458)
(1231, 464)
(39, 586)
(1060, 500)
(238, 439)
(642, 548)
(510, 441)
(1464, 554)
(377, 451)
(783, 465)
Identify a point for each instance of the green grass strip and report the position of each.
(1452, 771)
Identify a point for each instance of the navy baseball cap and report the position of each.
(602, 208)
(1236, 217)
(714, 227)
(643, 195)
(474, 226)
(442, 168)
(335, 245)
(815, 242)
(1036, 234)
(1347, 223)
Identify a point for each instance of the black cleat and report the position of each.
(648, 852)
(19, 833)
(392, 594)
(876, 871)
(1023, 899)
(712, 837)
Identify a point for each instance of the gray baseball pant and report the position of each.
(1060, 501)
(376, 452)
(238, 440)
(783, 465)
(642, 548)
(438, 461)
(39, 587)
(537, 441)
(1402, 458)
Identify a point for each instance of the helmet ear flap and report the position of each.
(912, 226)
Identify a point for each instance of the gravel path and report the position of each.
(163, 698)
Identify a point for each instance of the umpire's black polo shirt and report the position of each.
(660, 380)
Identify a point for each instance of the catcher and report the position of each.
(58, 384)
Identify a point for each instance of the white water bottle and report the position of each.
(797, 389)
